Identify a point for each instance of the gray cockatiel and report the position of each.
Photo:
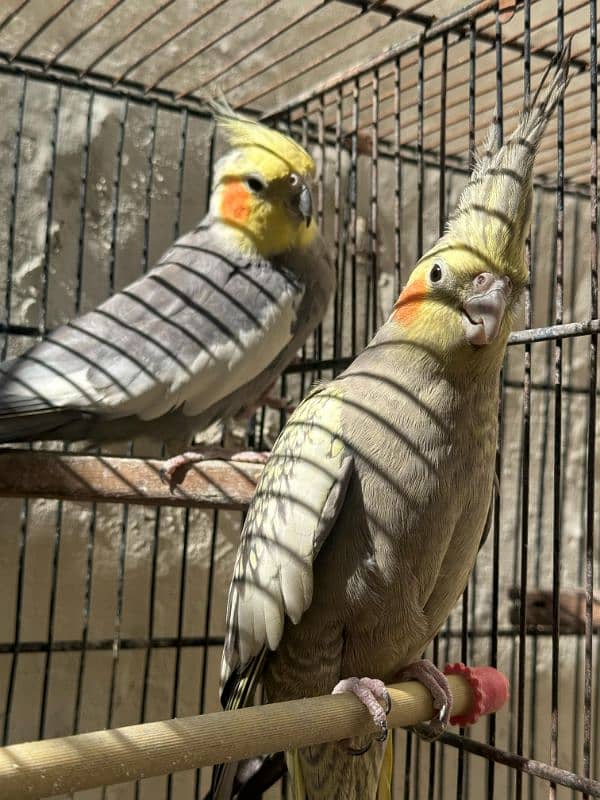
(203, 334)
(369, 514)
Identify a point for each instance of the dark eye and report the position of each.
(436, 273)
(255, 184)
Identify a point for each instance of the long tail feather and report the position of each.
(238, 692)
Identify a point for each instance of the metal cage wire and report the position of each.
(114, 614)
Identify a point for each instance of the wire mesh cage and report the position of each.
(114, 613)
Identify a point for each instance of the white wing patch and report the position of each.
(296, 502)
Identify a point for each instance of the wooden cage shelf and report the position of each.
(213, 484)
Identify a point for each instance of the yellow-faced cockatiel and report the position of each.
(203, 334)
(369, 514)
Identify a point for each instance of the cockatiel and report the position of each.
(368, 516)
(203, 334)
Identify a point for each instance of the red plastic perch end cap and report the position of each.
(490, 691)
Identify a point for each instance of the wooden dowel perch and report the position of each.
(103, 758)
(208, 484)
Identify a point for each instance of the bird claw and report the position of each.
(171, 466)
(370, 692)
(252, 456)
(437, 684)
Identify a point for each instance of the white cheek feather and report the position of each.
(236, 363)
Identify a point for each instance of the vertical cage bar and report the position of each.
(337, 227)
(157, 515)
(592, 400)
(49, 210)
(211, 158)
(570, 428)
(83, 185)
(320, 112)
(442, 170)
(151, 604)
(118, 619)
(43, 329)
(12, 218)
(353, 196)
(149, 187)
(397, 179)
(441, 224)
(472, 90)
(303, 374)
(186, 512)
(24, 516)
(345, 192)
(87, 594)
(407, 765)
(557, 443)
(469, 594)
(51, 610)
(207, 616)
(496, 532)
(183, 131)
(420, 154)
(283, 381)
(204, 663)
(180, 610)
(526, 447)
(463, 756)
(116, 186)
(543, 467)
(318, 335)
(373, 202)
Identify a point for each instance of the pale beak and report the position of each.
(305, 204)
(483, 311)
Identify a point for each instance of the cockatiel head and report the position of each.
(261, 190)
(461, 297)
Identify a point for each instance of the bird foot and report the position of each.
(252, 456)
(171, 470)
(371, 692)
(437, 684)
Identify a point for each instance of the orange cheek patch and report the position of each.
(235, 202)
(408, 304)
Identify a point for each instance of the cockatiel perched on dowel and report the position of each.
(205, 333)
(367, 519)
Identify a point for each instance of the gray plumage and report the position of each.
(197, 339)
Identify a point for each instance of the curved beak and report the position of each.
(483, 311)
(305, 204)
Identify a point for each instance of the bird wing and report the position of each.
(296, 503)
(194, 329)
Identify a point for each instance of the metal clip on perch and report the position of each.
(104, 758)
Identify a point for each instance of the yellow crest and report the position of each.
(260, 141)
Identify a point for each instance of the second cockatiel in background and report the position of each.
(205, 333)
(367, 519)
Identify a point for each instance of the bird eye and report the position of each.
(255, 184)
(435, 276)
(294, 180)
